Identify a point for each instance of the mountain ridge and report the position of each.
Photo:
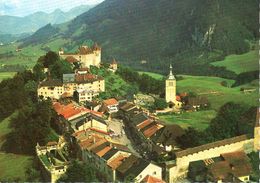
(186, 33)
(31, 23)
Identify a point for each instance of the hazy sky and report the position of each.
(26, 7)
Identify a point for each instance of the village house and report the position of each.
(85, 55)
(138, 168)
(236, 164)
(228, 167)
(159, 138)
(85, 84)
(71, 114)
(50, 88)
(110, 106)
(90, 121)
(166, 137)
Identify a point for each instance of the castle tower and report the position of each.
(61, 51)
(170, 87)
(257, 132)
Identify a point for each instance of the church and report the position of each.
(170, 89)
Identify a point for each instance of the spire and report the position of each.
(171, 76)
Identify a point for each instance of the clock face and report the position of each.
(171, 83)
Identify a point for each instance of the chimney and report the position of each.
(94, 139)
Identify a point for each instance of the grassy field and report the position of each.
(240, 63)
(217, 94)
(153, 75)
(199, 120)
(5, 75)
(12, 166)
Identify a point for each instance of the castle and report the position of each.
(85, 55)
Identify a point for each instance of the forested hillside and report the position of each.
(187, 33)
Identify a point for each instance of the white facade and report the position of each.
(152, 170)
(53, 92)
(87, 59)
(170, 88)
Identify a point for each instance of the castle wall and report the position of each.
(182, 163)
(86, 60)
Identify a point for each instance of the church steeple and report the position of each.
(171, 76)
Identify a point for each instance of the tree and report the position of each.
(59, 68)
(227, 122)
(30, 126)
(79, 172)
(160, 103)
(191, 138)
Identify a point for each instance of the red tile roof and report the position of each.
(117, 161)
(87, 77)
(178, 98)
(235, 163)
(151, 179)
(104, 151)
(70, 110)
(71, 59)
(152, 130)
(144, 124)
(67, 111)
(111, 101)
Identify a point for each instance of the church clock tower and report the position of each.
(170, 87)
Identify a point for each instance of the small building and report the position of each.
(91, 121)
(113, 66)
(110, 106)
(235, 166)
(166, 137)
(137, 168)
(152, 179)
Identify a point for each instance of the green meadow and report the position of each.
(240, 63)
(152, 74)
(217, 94)
(198, 120)
(12, 166)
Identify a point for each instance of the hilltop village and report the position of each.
(125, 141)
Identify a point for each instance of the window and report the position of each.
(140, 176)
(154, 173)
(170, 83)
